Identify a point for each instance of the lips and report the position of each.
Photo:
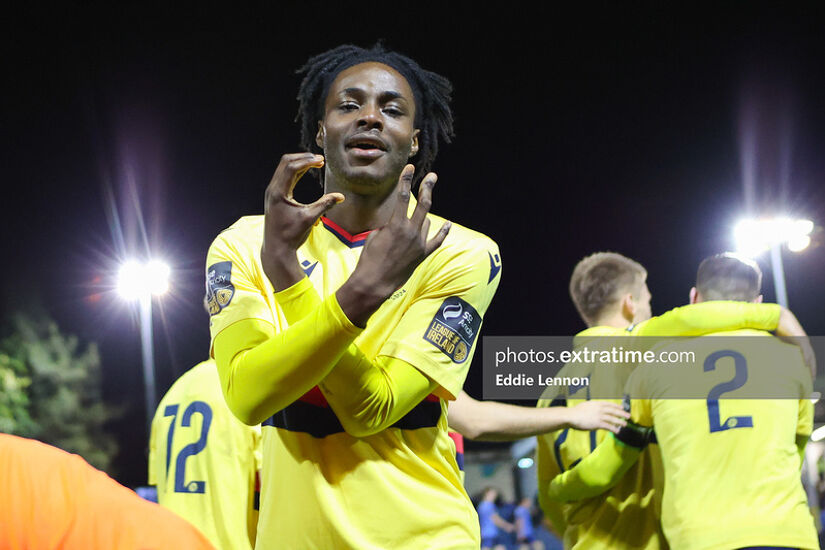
(366, 143)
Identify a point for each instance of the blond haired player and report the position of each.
(611, 295)
(731, 465)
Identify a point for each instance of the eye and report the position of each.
(348, 106)
(393, 111)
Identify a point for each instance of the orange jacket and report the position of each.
(50, 499)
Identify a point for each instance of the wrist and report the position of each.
(359, 300)
(281, 268)
(566, 414)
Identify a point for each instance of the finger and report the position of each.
(439, 237)
(289, 171)
(612, 424)
(322, 205)
(403, 193)
(283, 180)
(614, 409)
(425, 199)
(425, 229)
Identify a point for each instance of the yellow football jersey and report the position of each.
(399, 488)
(628, 515)
(205, 461)
(732, 467)
(625, 516)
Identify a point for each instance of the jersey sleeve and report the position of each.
(235, 289)
(596, 473)
(805, 423)
(438, 334)
(708, 317)
(546, 469)
(641, 411)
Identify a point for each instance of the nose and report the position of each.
(371, 117)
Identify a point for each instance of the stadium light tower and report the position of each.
(140, 281)
(755, 236)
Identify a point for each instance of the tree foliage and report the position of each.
(50, 390)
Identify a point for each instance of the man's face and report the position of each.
(642, 302)
(368, 132)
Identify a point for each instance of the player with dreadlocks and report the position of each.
(344, 326)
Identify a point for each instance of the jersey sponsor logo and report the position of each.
(308, 266)
(495, 266)
(219, 287)
(454, 328)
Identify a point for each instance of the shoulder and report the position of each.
(462, 237)
(246, 229)
(464, 247)
(200, 381)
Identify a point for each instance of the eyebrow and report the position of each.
(385, 96)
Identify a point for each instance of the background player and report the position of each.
(345, 337)
(731, 465)
(611, 295)
(205, 461)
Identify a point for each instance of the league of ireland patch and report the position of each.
(454, 328)
(219, 288)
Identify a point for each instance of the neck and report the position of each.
(616, 320)
(361, 211)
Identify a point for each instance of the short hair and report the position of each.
(729, 276)
(599, 280)
(431, 93)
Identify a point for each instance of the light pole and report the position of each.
(140, 281)
(755, 236)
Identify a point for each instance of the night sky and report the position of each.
(637, 131)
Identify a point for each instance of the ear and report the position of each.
(694, 295)
(319, 137)
(414, 148)
(628, 307)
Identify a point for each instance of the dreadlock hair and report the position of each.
(431, 93)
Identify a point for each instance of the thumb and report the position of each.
(322, 205)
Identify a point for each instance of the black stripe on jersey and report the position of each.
(321, 421)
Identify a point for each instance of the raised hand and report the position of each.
(598, 415)
(287, 223)
(392, 252)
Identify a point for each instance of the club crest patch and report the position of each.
(219, 288)
(454, 328)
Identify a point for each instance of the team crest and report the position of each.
(219, 287)
(454, 328)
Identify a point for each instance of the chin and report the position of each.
(368, 179)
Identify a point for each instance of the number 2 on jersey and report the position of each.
(189, 450)
(739, 379)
